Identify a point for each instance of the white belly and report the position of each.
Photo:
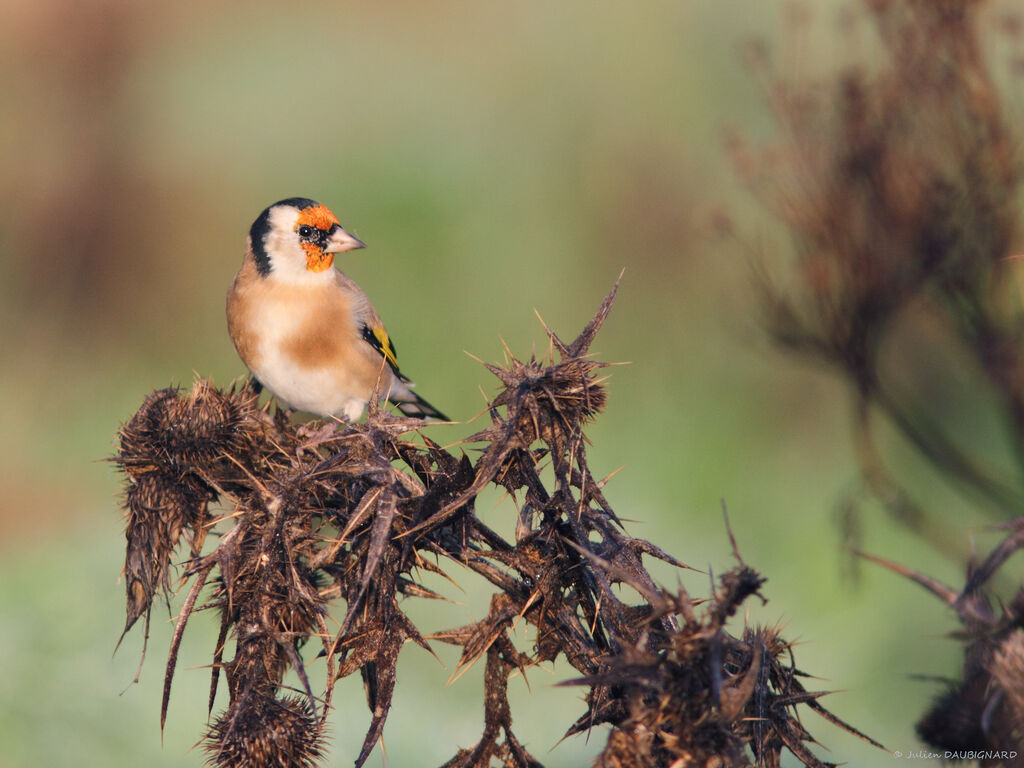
(305, 389)
(323, 391)
(304, 343)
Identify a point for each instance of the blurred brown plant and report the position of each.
(899, 185)
(353, 511)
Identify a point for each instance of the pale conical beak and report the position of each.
(340, 240)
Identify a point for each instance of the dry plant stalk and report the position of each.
(351, 515)
(899, 186)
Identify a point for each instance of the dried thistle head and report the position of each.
(689, 693)
(164, 452)
(186, 429)
(323, 514)
(549, 403)
(984, 709)
(266, 732)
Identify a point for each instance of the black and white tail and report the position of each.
(411, 404)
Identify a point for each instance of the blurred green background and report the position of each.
(496, 158)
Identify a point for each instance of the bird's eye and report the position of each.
(305, 231)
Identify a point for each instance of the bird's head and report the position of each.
(297, 238)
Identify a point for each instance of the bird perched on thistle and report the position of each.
(304, 329)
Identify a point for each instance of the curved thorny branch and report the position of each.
(349, 514)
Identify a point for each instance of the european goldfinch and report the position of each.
(305, 330)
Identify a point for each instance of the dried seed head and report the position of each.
(1007, 669)
(175, 431)
(165, 449)
(952, 722)
(550, 403)
(266, 732)
(985, 709)
(329, 513)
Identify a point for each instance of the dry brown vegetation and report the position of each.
(349, 516)
(899, 185)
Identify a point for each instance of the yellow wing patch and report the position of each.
(379, 340)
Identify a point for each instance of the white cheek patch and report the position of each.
(287, 258)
